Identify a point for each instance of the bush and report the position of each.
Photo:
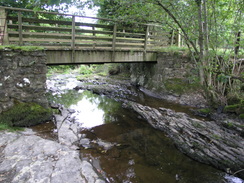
(85, 70)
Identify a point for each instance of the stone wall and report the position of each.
(22, 77)
(173, 77)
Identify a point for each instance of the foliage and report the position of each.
(211, 30)
(60, 69)
(25, 115)
(37, 5)
(85, 70)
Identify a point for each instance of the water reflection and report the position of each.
(85, 110)
(127, 148)
(91, 109)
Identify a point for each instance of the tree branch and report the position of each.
(178, 23)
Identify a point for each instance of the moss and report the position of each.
(25, 115)
(205, 111)
(23, 48)
(179, 86)
(229, 125)
(241, 116)
(236, 108)
(9, 128)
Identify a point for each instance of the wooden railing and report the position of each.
(65, 31)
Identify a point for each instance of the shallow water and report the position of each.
(125, 148)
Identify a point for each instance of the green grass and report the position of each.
(175, 50)
(23, 48)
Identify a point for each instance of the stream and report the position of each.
(123, 147)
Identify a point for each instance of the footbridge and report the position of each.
(74, 39)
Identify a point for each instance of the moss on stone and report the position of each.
(205, 110)
(241, 116)
(236, 108)
(25, 115)
(22, 48)
(179, 86)
(9, 128)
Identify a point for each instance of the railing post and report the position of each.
(145, 44)
(73, 38)
(20, 28)
(114, 42)
(3, 27)
(94, 35)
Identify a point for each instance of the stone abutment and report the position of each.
(22, 77)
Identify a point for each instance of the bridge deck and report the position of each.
(78, 39)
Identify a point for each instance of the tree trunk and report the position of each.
(206, 42)
(201, 42)
(237, 45)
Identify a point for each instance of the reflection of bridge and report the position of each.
(68, 39)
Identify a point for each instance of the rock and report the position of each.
(205, 141)
(26, 157)
(30, 158)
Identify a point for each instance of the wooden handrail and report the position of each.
(33, 30)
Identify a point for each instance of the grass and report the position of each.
(23, 48)
(175, 50)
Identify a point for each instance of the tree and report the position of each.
(207, 27)
(38, 4)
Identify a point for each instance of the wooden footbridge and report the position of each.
(73, 39)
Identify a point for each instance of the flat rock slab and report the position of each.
(28, 158)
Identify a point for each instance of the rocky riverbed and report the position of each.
(27, 156)
(217, 141)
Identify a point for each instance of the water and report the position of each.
(125, 148)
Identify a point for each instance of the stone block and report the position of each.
(28, 61)
(4, 96)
